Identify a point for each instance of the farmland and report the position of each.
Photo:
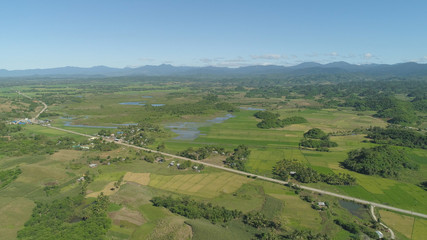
(131, 178)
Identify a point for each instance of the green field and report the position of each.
(133, 215)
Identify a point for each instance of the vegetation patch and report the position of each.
(7, 176)
(294, 168)
(384, 161)
(61, 219)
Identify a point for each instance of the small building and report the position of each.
(321, 204)
(292, 172)
(93, 165)
(80, 179)
(380, 234)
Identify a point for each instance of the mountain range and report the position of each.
(307, 68)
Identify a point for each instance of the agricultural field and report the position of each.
(180, 115)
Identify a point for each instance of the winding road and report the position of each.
(357, 200)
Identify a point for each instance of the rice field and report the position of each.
(411, 228)
(202, 185)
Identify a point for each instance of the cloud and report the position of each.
(268, 56)
(368, 55)
(333, 54)
(223, 62)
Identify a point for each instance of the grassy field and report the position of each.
(202, 185)
(271, 145)
(134, 217)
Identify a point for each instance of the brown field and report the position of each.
(171, 228)
(140, 178)
(107, 190)
(127, 215)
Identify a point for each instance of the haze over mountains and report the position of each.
(307, 68)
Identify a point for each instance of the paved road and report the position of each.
(262, 177)
(252, 175)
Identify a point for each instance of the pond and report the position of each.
(142, 104)
(68, 124)
(133, 103)
(355, 209)
(190, 130)
(252, 109)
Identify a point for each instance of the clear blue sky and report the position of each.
(129, 33)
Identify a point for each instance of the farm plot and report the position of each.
(202, 185)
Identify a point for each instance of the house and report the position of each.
(380, 234)
(92, 165)
(321, 204)
(160, 159)
(292, 172)
(80, 179)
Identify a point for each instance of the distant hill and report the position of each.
(307, 68)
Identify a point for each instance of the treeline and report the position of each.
(271, 120)
(238, 158)
(267, 229)
(192, 209)
(355, 228)
(65, 219)
(317, 139)
(6, 129)
(102, 145)
(202, 152)
(398, 136)
(267, 92)
(141, 134)
(305, 174)
(21, 144)
(7, 176)
(385, 161)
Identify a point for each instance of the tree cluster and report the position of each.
(385, 161)
(201, 153)
(238, 158)
(355, 228)
(57, 220)
(305, 174)
(258, 220)
(6, 129)
(192, 209)
(317, 139)
(7, 176)
(141, 134)
(399, 136)
(271, 120)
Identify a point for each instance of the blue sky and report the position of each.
(128, 33)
